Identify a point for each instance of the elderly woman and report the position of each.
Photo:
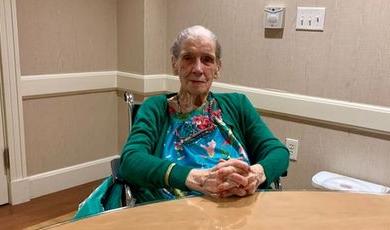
(196, 141)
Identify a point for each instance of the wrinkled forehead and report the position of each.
(198, 44)
(197, 31)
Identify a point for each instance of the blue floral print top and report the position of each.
(200, 138)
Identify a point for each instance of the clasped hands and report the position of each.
(232, 177)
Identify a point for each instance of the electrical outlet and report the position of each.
(292, 146)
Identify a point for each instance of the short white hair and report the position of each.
(193, 32)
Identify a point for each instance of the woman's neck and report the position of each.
(187, 102)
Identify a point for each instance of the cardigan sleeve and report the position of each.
(263, 147)
(140, 161)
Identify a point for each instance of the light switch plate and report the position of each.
(310, 18)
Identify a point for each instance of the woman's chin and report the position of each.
(199, 91)
(199, 88)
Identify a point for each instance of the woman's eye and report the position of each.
(187, 57)
(208, 60)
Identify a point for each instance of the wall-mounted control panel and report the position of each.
(274, 17)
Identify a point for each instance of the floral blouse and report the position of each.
(200, 139)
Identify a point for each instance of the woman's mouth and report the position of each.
(197, 81)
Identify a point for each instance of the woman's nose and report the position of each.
(198, 66)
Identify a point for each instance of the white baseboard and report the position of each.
(60, 179)
(19, 191)
(22, 190)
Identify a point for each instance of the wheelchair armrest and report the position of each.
(115, 168)
(278, 183)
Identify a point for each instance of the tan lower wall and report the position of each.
(63, 131)
(359, 155)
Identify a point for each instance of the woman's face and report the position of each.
(197, 65)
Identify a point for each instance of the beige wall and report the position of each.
(130, 16)
(142, 36)
(348, 61)
(65, 36)
(155, 36)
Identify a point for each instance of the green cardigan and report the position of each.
(142, 166)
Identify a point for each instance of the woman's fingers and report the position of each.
(251, 188)
(239, 192)
(203, 181)
(234, 192)
(227, 193)
(237, 163)
(248, 183)
(255, 178)
(231, 178)
(226, 171)
(227, 185)
(212, 183)
(239, 179)
(258, 172)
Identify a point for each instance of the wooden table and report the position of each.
(264, 210)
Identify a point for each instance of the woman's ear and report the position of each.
(219, 65)
(216, 75)
(174, 65)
